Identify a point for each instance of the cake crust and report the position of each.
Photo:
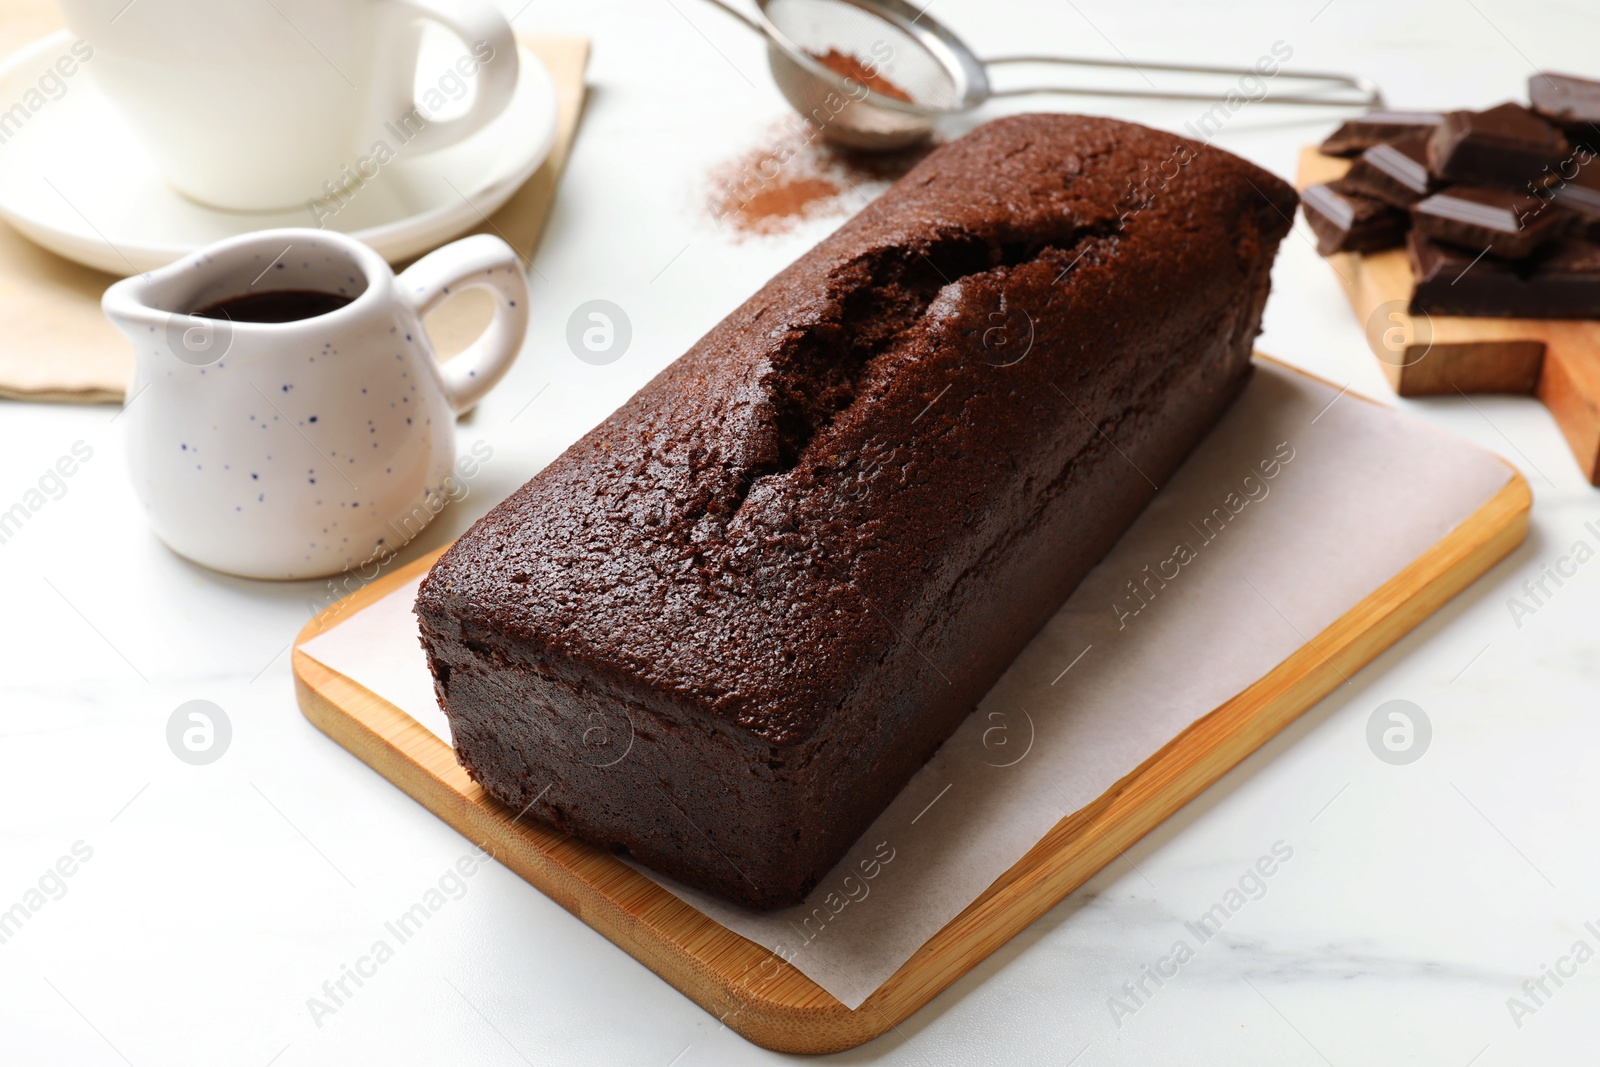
(724, 628)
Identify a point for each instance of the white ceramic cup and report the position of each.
(258, 104)
(301, 449)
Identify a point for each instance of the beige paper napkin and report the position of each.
(58, 346)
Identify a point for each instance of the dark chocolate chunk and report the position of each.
(1561, 281)
(1396, 173)
(1577, 191)
(1346, 222)
(1506, 146)
(1377, 127)
(1440, 279)
(1505, 223)
(1565, 100)
(1583, 137)
(1581, 190)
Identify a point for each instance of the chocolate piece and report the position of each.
(1396, 173)
(1506, 146)
(1439, 278)
(1583, 137)
(1571, 103)
(1378, 127)
(1577, 192)
(1347, 222)
(1508, 224)
(725, 627)
(1561, 281)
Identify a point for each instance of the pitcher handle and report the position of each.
(479, 262)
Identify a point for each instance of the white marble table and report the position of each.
(214, 901)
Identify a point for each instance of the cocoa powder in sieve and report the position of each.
(848, 66)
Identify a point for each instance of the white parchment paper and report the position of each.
(1299, 504)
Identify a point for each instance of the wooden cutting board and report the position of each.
(1556, 360)
(761, 996)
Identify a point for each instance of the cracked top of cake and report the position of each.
(813, 481)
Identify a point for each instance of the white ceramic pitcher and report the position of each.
(301, 449)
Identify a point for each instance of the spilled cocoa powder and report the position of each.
(785, 199)
(848, 66)
(793, 175)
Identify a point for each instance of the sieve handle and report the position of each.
(1370, 94)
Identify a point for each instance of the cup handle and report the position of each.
(481, 27)
(478, 262)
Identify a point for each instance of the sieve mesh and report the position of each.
(820, 26)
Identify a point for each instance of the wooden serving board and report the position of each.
(761, 996)
(1556, 360)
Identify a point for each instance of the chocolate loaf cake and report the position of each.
(723, 629)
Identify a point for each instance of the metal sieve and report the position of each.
(942, 76)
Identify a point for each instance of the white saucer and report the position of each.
(74, 179)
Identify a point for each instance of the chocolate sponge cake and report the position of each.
(723, 629)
